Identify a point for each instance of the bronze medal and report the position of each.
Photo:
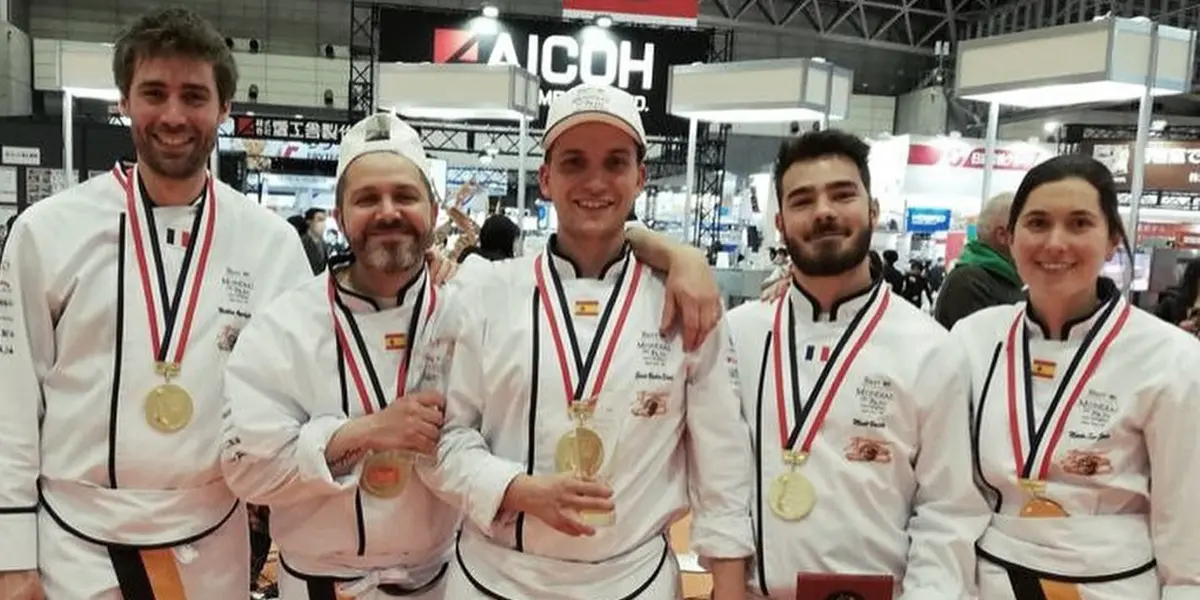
(168, 408)
(792, 496)
(385, 474)
(1043, 508)
(580, 451)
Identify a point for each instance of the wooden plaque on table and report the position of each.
(830, 586)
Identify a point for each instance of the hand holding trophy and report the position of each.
(407, 431)
(588, 450)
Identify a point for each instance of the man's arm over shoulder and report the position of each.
(26, 354)
(273, 449)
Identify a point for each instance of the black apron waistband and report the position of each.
(324, 587)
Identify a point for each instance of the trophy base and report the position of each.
(598, 519)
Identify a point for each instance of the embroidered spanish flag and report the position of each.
(1044, 368)
(395, 341)
(587, 308)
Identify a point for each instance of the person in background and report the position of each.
(314, 239)
(916, 285)
(1083, 410)
(128, 292)
(1180, 304)
(876, 263)
(862, 453)
(891, 275)
(8, 227)
(497, 239)
(984, 274)
(297, 222)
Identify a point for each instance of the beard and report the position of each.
(175, 166)
(391, 256)
(826, 257)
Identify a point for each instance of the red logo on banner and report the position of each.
(967, 157)
(454, 45)
(663, 12)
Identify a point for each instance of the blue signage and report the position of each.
(927, 220)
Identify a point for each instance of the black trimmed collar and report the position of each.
(357, 302)
(567, 269)
(1106, 292)
(806, 306)
(149, 202)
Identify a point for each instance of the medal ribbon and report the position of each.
(343, 343)
(1036, 431)
(789, 437)
(160, 336)
(575, 391)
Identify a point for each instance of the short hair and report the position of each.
(821, 144)
(994, 213)
(311, 213)
(174, 32)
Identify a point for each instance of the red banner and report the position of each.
(652, 12)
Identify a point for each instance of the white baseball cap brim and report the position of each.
(591, 103)
(591, 117)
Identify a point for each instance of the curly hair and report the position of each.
(174, 32)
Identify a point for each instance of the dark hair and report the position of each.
(876, 266)
(1189, 282)
(820, 144)
(890, 256)
(1074, 166)
(298, 223)
(496, 237)
(174, 32)
(311, 213)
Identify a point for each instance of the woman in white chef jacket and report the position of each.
(1085, 412)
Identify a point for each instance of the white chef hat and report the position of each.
(592, 103)
(382, 132)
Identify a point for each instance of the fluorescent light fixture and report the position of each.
(454, 92)
(457, 114)
(760, 91)
(1102, 61)
(604, 21)
(108, 95)
(1049, 96)
(751, 115)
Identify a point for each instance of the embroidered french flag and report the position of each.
(179, 237)
(817, 353)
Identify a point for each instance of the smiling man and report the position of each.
(575, 432)
(120, 300)
(861, 439)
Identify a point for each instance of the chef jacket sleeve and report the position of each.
(273, 451)
(467, 470)
(26, 355)
(720, 468)
(949, 513)
(1174, 450)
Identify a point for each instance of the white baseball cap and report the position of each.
(382, 132)
(591, 103)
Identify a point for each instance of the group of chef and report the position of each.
(530, 429)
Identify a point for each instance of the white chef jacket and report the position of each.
(681, 431)
(76, 362)
(1123, 465)
(891, 462)
(289, 390)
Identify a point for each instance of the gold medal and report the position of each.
(1040, 507)
(580, 451)
(168, 408)
(792, 496)
(385, 474)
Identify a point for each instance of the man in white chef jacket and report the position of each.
(574, 429)
(328, 381)
(859, 414)
(120, 300)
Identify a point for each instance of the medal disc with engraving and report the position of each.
(792, 496)
(385, 474)
(579, 451)
(1043, 508)
(168, 408)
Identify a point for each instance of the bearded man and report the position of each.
(859, 413)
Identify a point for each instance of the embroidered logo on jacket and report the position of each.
(227, 338)
(650, 404)
(1086, 463)
(865, 449)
